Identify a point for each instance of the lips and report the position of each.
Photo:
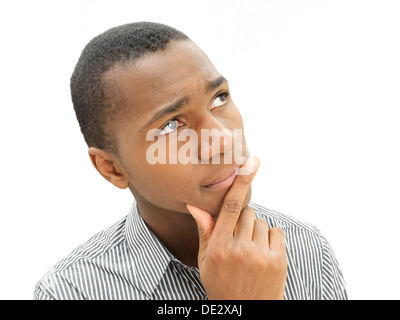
(224, 181)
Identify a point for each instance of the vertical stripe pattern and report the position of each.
(127, 262)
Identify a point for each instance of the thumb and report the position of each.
(205, 225)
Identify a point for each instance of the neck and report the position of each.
(177, 231)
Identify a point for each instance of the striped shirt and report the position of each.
(126, 261)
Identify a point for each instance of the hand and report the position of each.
(239, 258)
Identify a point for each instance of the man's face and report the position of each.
(181, 77)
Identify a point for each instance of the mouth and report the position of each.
(224, 183)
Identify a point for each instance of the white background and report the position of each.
(317, 83)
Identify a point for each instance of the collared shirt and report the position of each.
(127, 261)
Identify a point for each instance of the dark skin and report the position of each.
(212, 229)
(144, 87)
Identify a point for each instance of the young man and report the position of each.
(192, 232)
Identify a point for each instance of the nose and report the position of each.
(216, 140)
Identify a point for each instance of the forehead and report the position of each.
(158, 79)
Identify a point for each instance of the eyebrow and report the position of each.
(174, 107)
(182, 102)
(214, 84)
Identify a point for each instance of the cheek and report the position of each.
(236, 116)
(166, 185)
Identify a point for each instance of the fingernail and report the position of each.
(249, 167)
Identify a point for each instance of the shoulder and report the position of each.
(313, 271)
(53, 285)
(304, 243)
(283, 221)
(99, 244)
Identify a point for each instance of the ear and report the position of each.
(106, 165)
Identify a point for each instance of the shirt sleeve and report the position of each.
(333, 284)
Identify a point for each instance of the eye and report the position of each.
(220, 100)
(171, 126)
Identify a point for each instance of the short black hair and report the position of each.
(91, 100)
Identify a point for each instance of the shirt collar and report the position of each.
(150, 257)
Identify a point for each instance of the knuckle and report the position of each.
(280, 264)
(262, 260)
(233, 206)
(278, 231)
(245, 179)
(218, 254)
(262, 223)
(249, 211)
(240, 252)
(279, 261)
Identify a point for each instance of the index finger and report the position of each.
(233, 201)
